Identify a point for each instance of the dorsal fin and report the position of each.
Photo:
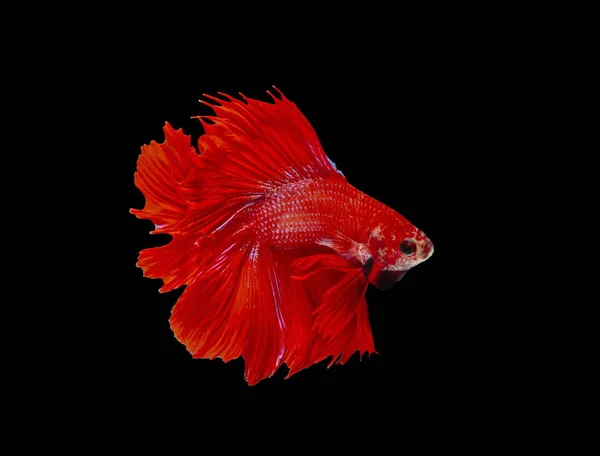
(259, 145)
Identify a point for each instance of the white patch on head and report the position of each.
(401, 264)
(382, 254)
(377, 234)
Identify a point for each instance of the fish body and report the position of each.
(276, 249)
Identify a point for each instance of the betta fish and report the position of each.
(273, 245)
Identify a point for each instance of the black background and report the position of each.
(415, 131)
(450, 116)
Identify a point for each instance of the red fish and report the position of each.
(276, 249)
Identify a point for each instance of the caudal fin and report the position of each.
(161, 170)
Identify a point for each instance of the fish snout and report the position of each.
(426, 250)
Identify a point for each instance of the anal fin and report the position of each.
(340, 315)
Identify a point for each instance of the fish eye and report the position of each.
(408, 247)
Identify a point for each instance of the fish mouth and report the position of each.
(384, 280)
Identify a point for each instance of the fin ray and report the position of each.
(233, 309)
(340, 318)
(160, 168)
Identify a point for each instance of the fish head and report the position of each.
(394, 249)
